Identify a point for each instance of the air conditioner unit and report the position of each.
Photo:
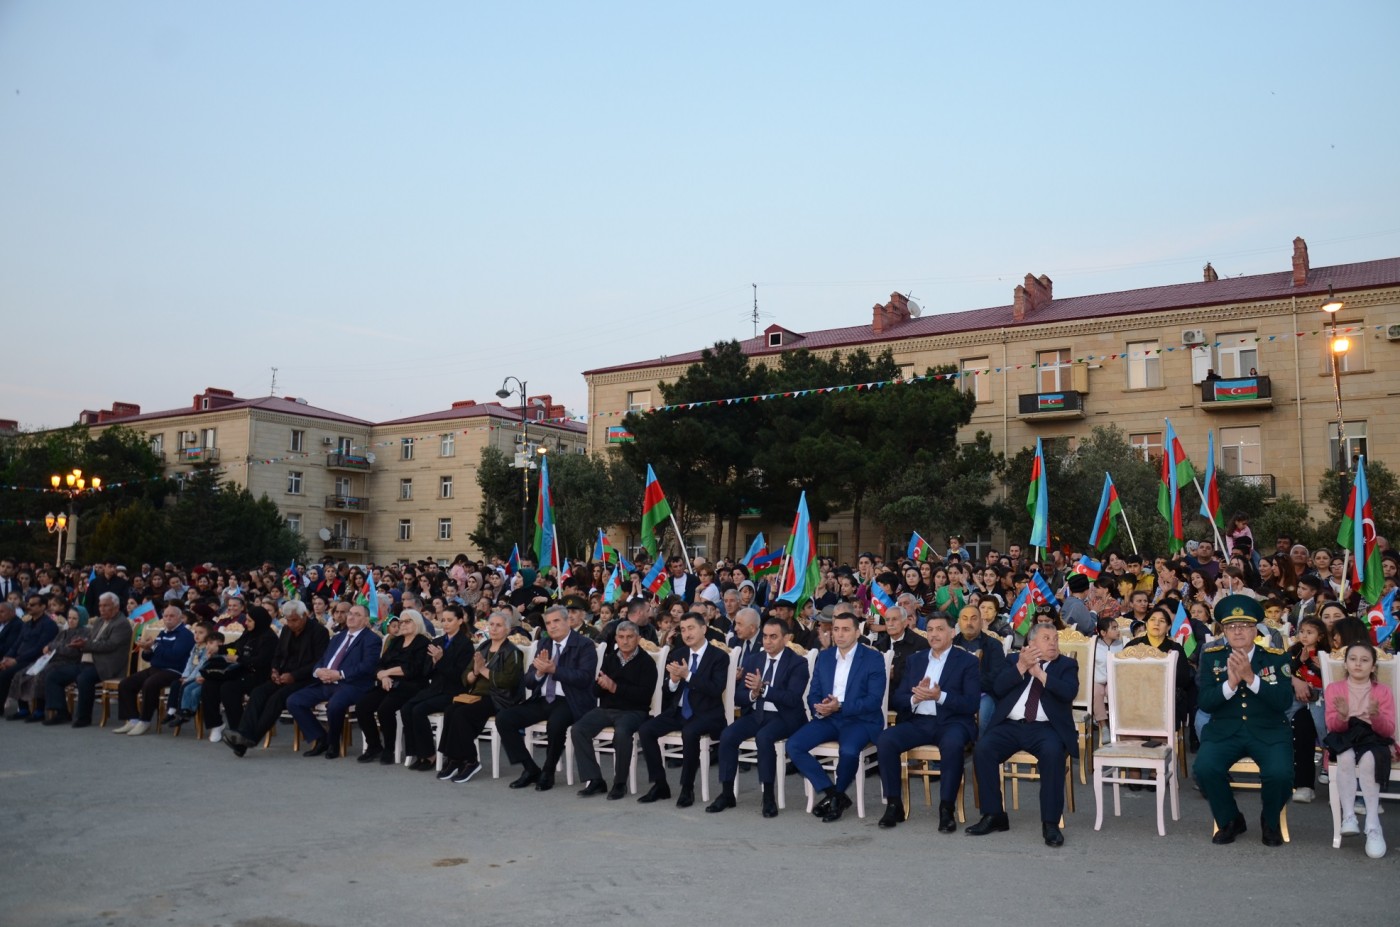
(327, 442)
(1191, 336)
(188, 437)
(1392, 333)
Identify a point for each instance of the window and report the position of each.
(158, 445)
(975, 379)
(342, 485)
(1355, 446)
(1240, 453)
(906, 371)
(1149, 445)
(638, 400)
(406, 488)
(1237, 355)
(405, 529)
(341, 528)
(298, 439)
(1354, 359)
(828, 544)
(447, 445)
(210, 437)
(294, 482)
(445, 487)
(405, 448)
(294, 523)
(1144, 364)
(1200, 362)
(1053, 373)
(444, 529)
(343, 446)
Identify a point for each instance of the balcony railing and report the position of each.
(1066, 403)
(199, 455)
(339, 461)
(345, 542)
(348, 503)
(1237, 393)
(1264, 480)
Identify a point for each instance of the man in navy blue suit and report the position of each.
(343, 675)
(561, 676)
(847, 699)
(774, 679)
(936, 704)
(1035, 692)
(692, 702)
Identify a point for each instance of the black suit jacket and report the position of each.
(445, 678)
(1061, 687)
(577, 669)
(785, 691)
(909, 644)
(705, 685)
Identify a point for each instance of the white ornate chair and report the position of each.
(1141, 704)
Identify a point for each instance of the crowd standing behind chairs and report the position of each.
(444, 657)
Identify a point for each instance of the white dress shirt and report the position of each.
(699, 655)
(1253, 686)
(763, 693)
(843, 672)
(556, 653)
(1018, 711)
(936, 664)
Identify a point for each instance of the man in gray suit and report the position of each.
(106, 655)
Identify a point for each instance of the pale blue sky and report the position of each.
(399, 204)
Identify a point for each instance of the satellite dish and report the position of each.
(324, 534)
(370, 457)
(914, 310)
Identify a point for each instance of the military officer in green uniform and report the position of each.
(1247, 690)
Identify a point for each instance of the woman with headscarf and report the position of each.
(247, 665)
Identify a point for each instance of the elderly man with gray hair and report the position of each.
(299, 648)
(625, 686)
(106, 654)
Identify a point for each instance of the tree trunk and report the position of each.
(733, 537)
(717, 539)
(855, 524)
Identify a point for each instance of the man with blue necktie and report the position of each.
(847, 699)
(692, 700)
(774, 679)
(343, 675)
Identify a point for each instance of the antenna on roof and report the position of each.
(755, 310)
(273, 390)
(915, 310)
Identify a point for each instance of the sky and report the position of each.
(399, 205)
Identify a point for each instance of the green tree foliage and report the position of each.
(948, 495)
(498, 525)
(1285, 517)
(590, 492)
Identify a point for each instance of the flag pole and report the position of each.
(1124, 515)
(680, 539)
(1219, 541)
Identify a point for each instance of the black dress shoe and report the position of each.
(770, 806)
(83, 722)
(369, 756)
(528, 778)
(593, 787)
(990, 824)
(55, 720)
(839, 804)
(318, 748)
(332, 750)
(617, 792)
(659, 791)
(1051, 832)
(726, 800)
(387, 759)
(423, 764)
(1229, 832)
(822, 806)
(1272, 836)
(239, 750)
(894, 814)
(546, 782)
(947, 824)
(685, 799)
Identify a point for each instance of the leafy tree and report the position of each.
(1286, 516)
(498, 524)
(950, 495)
(136, 532)
(1335, 489)
(590, 492)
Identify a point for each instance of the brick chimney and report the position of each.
(1300, 262)
(464, 404)
(125, 409)
(892, 313)
(1035, 293)
(1210, 275)
(9, 427)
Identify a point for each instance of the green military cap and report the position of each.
(575, 601)
(1238, 608)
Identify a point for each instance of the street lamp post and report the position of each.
(1338, 346)
(57, 524)
(524, 455)
(72, 485)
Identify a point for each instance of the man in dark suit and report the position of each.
(745, 636)
(452, 655)
(342, 676)
(300, 647)
(1035, 691)
(936, 705)
(902, 640)
(562, 676)
(692, 702)
(770, 698)
(847, 700)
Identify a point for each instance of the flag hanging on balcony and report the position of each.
(919, 550)
(655, 511)
(1105, 522)
(1023, 612)
(1236, 390)
(546, 544)
(758, 548)
(1038, 499)
(1176, 470)
(1210, 491)
(603, 552)
(1358, 535)
(799, 582)
(1182, 632)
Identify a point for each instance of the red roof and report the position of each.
(492, 409)
(1257, 288)
(266, 404)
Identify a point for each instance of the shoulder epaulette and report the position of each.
(1274, 650)
(1215, 648)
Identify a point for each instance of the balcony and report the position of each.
(199, 455)
(345, 543)
(1067, 403)
(1254, 392)
(1265, 481)
(339, 461)
(348, 503)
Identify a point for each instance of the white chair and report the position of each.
(1081, 649)
(1141, 704)
(672, 745)
(537, 735)
(748, 750)
(829, 753)
(603, 740)
(1387, 673)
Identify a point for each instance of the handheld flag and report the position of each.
(1110, 509)
(603, 552)
(1041, 592)
(1210, 491)
(1038, 499)
(1358, 535)
(371, 600)
(757, 548)
(1088, 566)
(546, 544)
(291, 581)
(880, 601)
(1382, 620)
(919, 550)
(142, 617)
(767, 564)
(656, 579)
(1023, 612)
(1182, 632)
(612, 588)
(1176, 471)
(513, 564)
(799, 582)
(655, 511)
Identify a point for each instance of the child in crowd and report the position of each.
(1307, 712)
(185, 691)
(1110, 642)
(1360, 740)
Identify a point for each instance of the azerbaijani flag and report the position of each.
(546, 543)
(767, 564)
(799, 582)
(1210, 492)
(656, 578)
(603, 552)
(1041, 591)
(1381, 618)
(1088, 566)
(880, 601)
(371, 600)
(1023, 612)
(1105, 528)
(513, 563)
(612, 589)
(291, 581)
(758, 548)
(1176, 470)
(1358, 535)
(1038, 499)
(1182, 632)
(1050, 402)
(655, 511)
(142, 616)
(1236, 390)
(919, 550)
